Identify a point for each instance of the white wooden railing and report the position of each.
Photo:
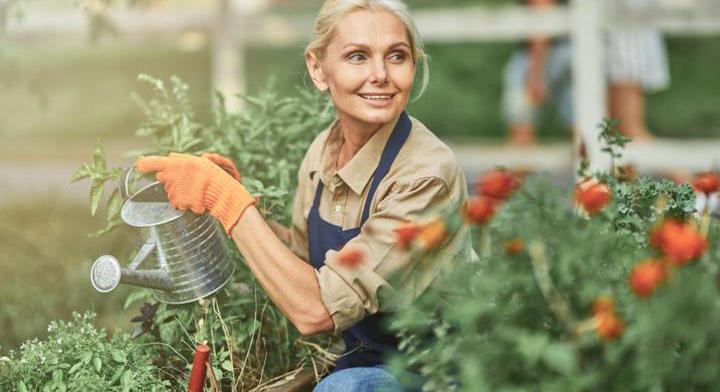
(239, 23)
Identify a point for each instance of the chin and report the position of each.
(378, 116)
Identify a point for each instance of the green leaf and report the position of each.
(96, 192)
(116, 376)
(136, 295)
(87, 357)
(227, 365)
(99, 158)
(98, 363)
(21, 387)
(114, 205)
(531, 346)
(81, 173)
(118, 356)
(217, 372)
(126, 380)
(168, 332)
(75, 367)
(561, 358)
(57, 376)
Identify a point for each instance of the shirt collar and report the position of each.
(358, 171)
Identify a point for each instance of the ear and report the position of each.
(315, 71)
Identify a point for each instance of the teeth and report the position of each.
(377, 97)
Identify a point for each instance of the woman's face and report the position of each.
(368, 67)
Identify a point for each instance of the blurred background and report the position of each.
(68, 70)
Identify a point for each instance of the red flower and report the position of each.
(609, 326)
(592, 195)
(480, 210)
(646, 276)
(603, 304)
(707, 183)
(405, 234)
(499, 184)
(514, 247)
(679, 241)
(432, 234)
(350, 257)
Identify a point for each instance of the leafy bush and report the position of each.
(252, 341)
(78, 357)
(555, 302)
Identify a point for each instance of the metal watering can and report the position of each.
(187, 251)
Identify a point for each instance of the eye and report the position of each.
(356, 57)
(398, 57)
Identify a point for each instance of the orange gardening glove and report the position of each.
(225, 163)
(199, 184)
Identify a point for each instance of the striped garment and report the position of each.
(636, 53)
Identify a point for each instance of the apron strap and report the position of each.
(318, 194)
(393, 146)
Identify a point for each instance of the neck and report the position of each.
(355, 135)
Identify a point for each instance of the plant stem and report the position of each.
(704, 231)
(485, 242)
(552, 296)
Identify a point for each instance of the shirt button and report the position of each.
(338, 208)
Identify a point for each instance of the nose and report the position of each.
(378, 73)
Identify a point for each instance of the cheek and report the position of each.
(403, 77)
(347, 79)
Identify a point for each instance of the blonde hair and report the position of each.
(333, 10)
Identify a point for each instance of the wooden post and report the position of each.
(227, 62)
(589, 85)
(228, 54)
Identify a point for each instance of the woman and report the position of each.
(373, 169)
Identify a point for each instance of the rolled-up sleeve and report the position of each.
(298, 225)
(352, 293)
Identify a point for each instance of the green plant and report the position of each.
(77, 357)
(524, 319)
(252, 341)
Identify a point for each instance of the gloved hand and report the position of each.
(199, 184)
(225, 163)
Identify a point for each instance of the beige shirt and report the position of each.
(425, 174)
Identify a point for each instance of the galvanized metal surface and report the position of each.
(183, 254)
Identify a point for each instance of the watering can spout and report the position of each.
(106, 274)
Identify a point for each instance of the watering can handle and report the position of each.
(125, 183)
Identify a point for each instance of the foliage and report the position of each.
(267, 140)
(523, 320)
(78, 357)
(252, 341)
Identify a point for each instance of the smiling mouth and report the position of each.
(377, 97)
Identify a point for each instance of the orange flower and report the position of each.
(432, 234)
(350, 257)
(603, 304)
(646, 276)
(480, 210)
(514, 247)
(499, 184)
(592, 195)
(707, 183)
(405, 234)
(608, 326)
(679, 241)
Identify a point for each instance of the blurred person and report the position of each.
(538, 70)
(635, 64)
(372, 170)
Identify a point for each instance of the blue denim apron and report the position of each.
(366, 342)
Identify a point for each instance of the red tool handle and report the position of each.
(197, 375)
